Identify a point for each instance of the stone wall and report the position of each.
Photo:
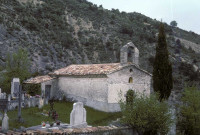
(28, 102)
(87, 87)
(101, 92)
(118, 82)
(100, 130)
(54, 87)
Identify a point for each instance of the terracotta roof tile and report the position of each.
(39, 79)
(92, 69)
(85, 69)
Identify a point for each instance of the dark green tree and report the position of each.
(17, 66)
(162, 67)
(189, 116)
(173, 23)
(146, 114)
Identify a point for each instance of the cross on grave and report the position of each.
(20, 103)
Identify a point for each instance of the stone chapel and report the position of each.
(98, 85)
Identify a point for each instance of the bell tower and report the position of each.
(129, 53)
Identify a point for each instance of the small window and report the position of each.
(131, 70)
(130, 80)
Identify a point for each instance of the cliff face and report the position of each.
(58, 33)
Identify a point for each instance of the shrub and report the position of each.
(33, 89)
(189, 118)
(126, 29)
(187, 70)
(146, 114)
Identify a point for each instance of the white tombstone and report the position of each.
(78, 116)
(15, 87)
(41, 103)
(1, 95)
(1, 116)
(9, 98)
(29, 103)
(0, 90)
(22, 97)
(4, 95)
(5, 125)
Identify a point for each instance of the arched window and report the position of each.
(130, 80)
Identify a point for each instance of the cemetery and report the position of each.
(60, 103)
(21, 113)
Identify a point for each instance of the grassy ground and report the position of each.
(33, 117)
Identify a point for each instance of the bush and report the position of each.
(189, 118)
(33, 89)
(188, 71)
(147, 115)
(126, 29)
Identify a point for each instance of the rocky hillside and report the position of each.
(58, 33)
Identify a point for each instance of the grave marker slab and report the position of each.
(78, 116)
(15, 87)
(5, 125)
(41, 103)
(3, 104)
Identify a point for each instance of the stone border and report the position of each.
(100, 130)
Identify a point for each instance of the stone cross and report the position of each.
(5, 125)
(78, 116)
(20, 103)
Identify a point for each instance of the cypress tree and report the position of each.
(162, 67)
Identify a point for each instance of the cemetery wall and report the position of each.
(100, 130)
(29, 102)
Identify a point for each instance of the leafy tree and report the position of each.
(146, 114)
(189, 118)
(173, 23)
(33, 89)
(162, 68)
(17, 65)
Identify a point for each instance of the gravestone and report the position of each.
(4, 95)
(78, 116)
(41, 103)
(5, 125)
(3, 104)
(1, 116)
(9, 98)
(1, 95)
(29, 103)
(22, 97)
(15, 87)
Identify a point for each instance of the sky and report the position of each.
(185, 12)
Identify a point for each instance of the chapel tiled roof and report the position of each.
(87, 69)
(39, 79)
(91, 69)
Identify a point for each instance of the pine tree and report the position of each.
(162, 68)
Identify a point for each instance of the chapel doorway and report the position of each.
(47, 91)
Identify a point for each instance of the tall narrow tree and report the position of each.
(162, 68)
